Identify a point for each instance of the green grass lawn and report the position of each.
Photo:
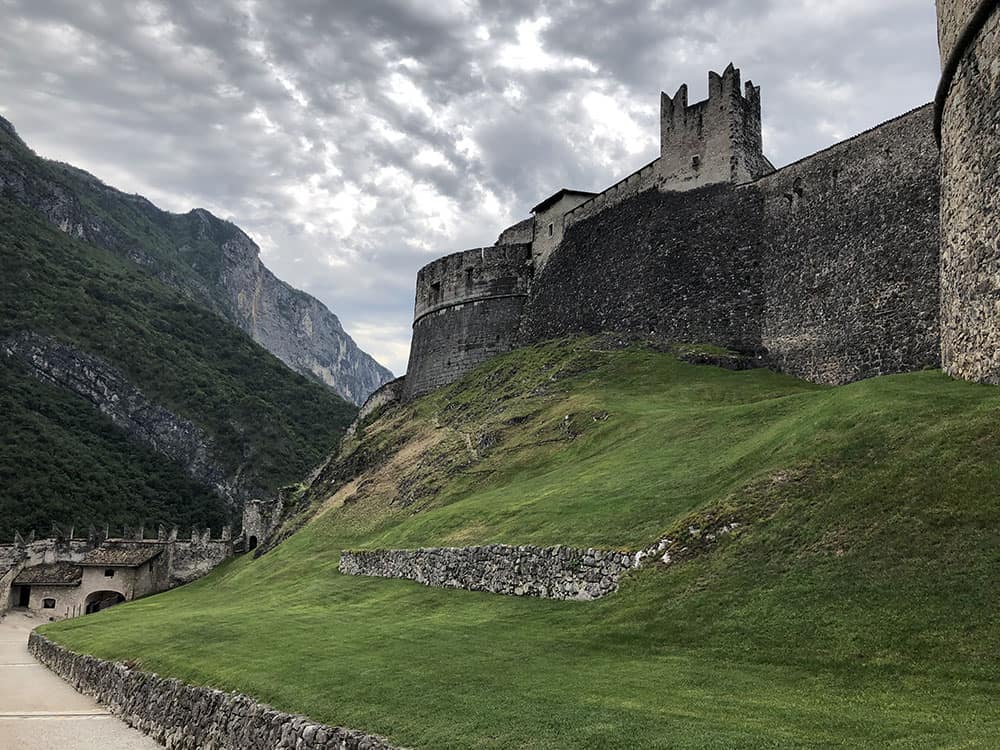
(853, 607)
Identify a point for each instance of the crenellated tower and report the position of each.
(713, 141)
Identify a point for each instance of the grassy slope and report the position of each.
(854, 607)
(260, 413)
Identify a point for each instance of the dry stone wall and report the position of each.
(546, 572)
(186, 717)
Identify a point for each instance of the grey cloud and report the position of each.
(201, 108)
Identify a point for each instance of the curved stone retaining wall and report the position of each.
(185, 717)
(547, 572)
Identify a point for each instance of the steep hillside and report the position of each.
(853, 605)
(125, 402)
(210, 261)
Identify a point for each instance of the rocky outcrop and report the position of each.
(292, 325)
(211, 261)
(126, 406)
(185, 717)
(545, 572)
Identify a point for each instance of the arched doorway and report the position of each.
(251, 544)
(99, 600)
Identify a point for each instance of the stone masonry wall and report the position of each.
(970, 194)
(639, 181)
(829, 266)
(547, 572)
(468, 307)
(674, 266)
(850, 249)
(185, 717)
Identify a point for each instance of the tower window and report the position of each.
(550, 230)
(695, 162)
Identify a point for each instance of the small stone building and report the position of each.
(51, 589)
(111, 574)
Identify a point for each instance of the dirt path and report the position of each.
(38, 711)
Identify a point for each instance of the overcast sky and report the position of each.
(356, 140)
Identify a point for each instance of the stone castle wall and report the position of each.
(639, 181)
(968, 105)
(673, 266)
(546, 572)
(185, 717)
(467, 310)
(878, 255)
(829, 266)
(850, 256)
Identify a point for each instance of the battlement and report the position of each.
(95, 536)
(715, 140)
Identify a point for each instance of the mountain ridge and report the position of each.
(210, 260)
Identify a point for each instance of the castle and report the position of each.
(877, 255)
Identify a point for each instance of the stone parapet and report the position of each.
(186, 717)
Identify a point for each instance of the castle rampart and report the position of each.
(672, 266)
(850, 256)
(968, 106)
(468, 306)
(857, 261)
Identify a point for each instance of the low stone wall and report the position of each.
(547, 572)
(185, 717)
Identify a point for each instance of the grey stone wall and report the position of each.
(547, 572)
(673, 266)
(828, 267)
(640, 180)
(468, 307)
(518, 234)
(389, 393)
(186, 717)
(970, 194)
(850, 247)
(194, 559)
(260, 519)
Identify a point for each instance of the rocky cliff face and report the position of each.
(294, 326)
(211, 261)
(127, 407)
